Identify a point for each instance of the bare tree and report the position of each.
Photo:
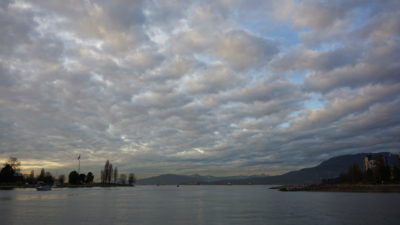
(14, 163)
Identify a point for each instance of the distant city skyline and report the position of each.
(214, 87)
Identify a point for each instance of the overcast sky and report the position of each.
(216, 87)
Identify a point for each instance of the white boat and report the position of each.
(43, 188)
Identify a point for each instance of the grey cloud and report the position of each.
(264, 90)
(377, 67)
(156, 87)
(243, 50)
(175, 68)
(346, 104)
(214, 79)
(303, 58)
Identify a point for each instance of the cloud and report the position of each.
(243, 50)
(215, 87)
(345, 103)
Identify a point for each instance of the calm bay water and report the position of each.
(187, 205)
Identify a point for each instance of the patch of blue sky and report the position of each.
(360, 16)
(315, 102)
(284, 125)
(282, 31)
(329, 46)
(204, 58)
(296, 113)
(297, 76)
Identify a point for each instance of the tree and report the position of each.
(122, 179)
(7, 174)
(106, 174)
(132, 179)
(82, 178)
(110, 173)
(14, 163)
(48, 178)
(61, 179)
(41, 175)
(73, 178)
(354, 174)
(115, 175)
(31, 178)
(382, 169)
(10, 173)
(103, 177)
(89, 178)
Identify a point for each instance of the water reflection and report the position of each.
(195, 205)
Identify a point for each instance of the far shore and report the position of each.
(341, 187)
(9, 187)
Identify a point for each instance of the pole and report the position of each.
(79, 164)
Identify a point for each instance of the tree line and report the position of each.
(380, 173)
(109, 175)
(11, 174)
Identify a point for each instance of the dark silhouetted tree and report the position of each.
(115, 175)
(102, 177)
(122, 179)
(107, 173)
(132, 179)
(31, 178)
(82, 178)
(89, 178)
(41, 175)
(48, 178)
(7, 174)
(14, 163)
(61, 179)
(354, 174)
(73, 178)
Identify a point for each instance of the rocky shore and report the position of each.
(341, 188)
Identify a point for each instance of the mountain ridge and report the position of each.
(329, 168)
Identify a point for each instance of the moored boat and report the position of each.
(43, 188)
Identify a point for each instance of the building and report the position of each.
(369, 163)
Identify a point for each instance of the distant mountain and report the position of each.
(174, 179)
(330, 168)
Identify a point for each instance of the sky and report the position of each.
(214, 87)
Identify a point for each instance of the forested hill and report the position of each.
(330, 168)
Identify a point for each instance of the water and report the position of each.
(188, 205)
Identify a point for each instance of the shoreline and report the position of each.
(375, 188)
(10, 187)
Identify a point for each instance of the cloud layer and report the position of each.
(211, 87)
